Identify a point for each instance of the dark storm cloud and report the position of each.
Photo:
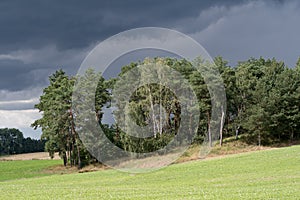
(15, 75)
(75, 24)
(29, 68)
(42, 36)
(254, 29)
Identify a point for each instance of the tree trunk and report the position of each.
(68, 152)
(190, 126)
(208, 130)
(168, 120)
(160, 119)
(153, 114)
(292, 135)
(160, 113)
(176, 122)
(237, 128)
(65, 158)
(72, 155)
(259, 139)
(78, 155)
(221, 126)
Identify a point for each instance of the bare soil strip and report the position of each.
(29, 156)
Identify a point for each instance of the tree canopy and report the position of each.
(262, 106)
(12, 141)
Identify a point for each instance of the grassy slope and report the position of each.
(270, 174)
(24, 168)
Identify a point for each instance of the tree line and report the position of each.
(12, 141)
(262, 106)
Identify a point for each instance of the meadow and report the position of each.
(20, 169)
(267, 174)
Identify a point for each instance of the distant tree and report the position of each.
(12, 141)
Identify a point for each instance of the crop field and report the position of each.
(268, 174)
(21, 169)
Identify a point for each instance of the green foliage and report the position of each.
(263, 101)
(58, 120)
(56, 123)
(269, 105)
(154, 104)
(12, 141)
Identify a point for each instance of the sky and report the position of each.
(39, 37)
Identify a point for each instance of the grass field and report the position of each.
(269, 174)
(25, 168)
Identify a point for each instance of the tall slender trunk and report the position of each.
(153, 114)
(259, 138)
(78, 155)
(190, 126)
(160, 119)
(72, 160)
(76, 141)
(176, 122)
(292, 135)
(168, 120)
(208, 130)
(68, 152)
(237, 128)
(160, 111)
(65, 158)
(177, 118)
(221, 125)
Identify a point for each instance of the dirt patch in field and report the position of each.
(30, 156)
(61, 169)
(93, 167)
(230, 148)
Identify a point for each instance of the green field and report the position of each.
(24, 168)
(270, 174)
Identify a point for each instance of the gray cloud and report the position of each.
(76, 24)
(6, 96)
(255, 29)
(38, 37)
(16, 75)
(20, 119)
(18, 104)
(30, 68)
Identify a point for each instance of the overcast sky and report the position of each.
(39, 37)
